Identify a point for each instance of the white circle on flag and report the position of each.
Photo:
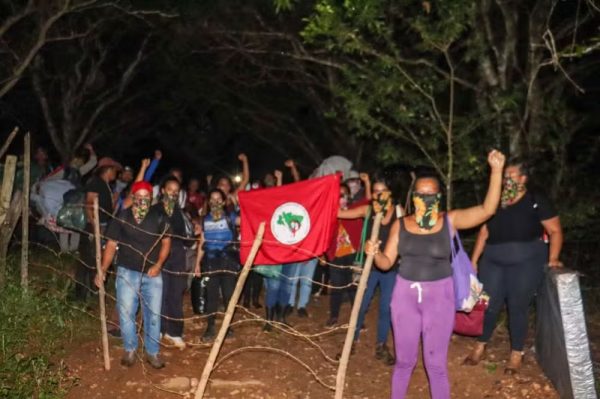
(290, 223)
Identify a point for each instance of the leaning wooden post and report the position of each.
(101, 291)
(214, 352)
(25, 212)
(8, 141)
(360, 293)
(6, 227)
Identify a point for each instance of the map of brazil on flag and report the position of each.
(300, 220)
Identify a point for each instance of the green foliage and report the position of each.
(395, 85)
(35, 324)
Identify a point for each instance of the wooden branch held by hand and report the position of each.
(360, 293)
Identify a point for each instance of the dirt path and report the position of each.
(261, 373)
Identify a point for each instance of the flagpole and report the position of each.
(214, 352)
(360, 293)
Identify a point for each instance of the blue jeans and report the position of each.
(277, 292)
(386, 282)
(129, 284)
(303, 275)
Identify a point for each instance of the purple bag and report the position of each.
(467, 288)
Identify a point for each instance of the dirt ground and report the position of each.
(266, 368)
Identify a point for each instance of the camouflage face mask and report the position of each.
(427, 208)
(510, 191)
(140, 208)
(170, 201)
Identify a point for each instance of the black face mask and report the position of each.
(427, 209)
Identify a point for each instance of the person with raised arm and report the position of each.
(217, 258)
(225, 184)
(384, 279)
(423, 302)
(514, 255)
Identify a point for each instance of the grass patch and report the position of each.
(36, 326)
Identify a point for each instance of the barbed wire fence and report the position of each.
(329, 382)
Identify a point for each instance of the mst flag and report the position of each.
(300, 219)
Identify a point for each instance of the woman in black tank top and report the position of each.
(423, 298)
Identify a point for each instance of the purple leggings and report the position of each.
(427, 308)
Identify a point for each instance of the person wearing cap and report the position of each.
(98, 187)
(143, 235)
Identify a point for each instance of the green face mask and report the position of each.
(427, 208)
(169, 202)
(140, 208)
(510, 191)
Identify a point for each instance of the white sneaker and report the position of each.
(177, 341)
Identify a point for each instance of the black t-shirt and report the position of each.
(520, 222)
(177, 258)
(138, 240)
(105, 200)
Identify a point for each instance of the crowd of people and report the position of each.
(157, 236)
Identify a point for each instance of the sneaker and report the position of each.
(331, 323)
(128, 359)
(178, 342)
(155, 361)
(383, 353)
(302, 312)
(288, 310)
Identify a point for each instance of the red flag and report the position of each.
(300, 219)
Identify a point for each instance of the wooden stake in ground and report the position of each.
(8, 141)
(25, 212)
(101, 291)
(8, 181)
(360, 293)
(214, 352)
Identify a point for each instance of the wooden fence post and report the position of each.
(214, 352)
(101, 290)
(7, 212)
(360, 293)
(25, 213)
(8, 141)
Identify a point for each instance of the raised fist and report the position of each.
(496, 159)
